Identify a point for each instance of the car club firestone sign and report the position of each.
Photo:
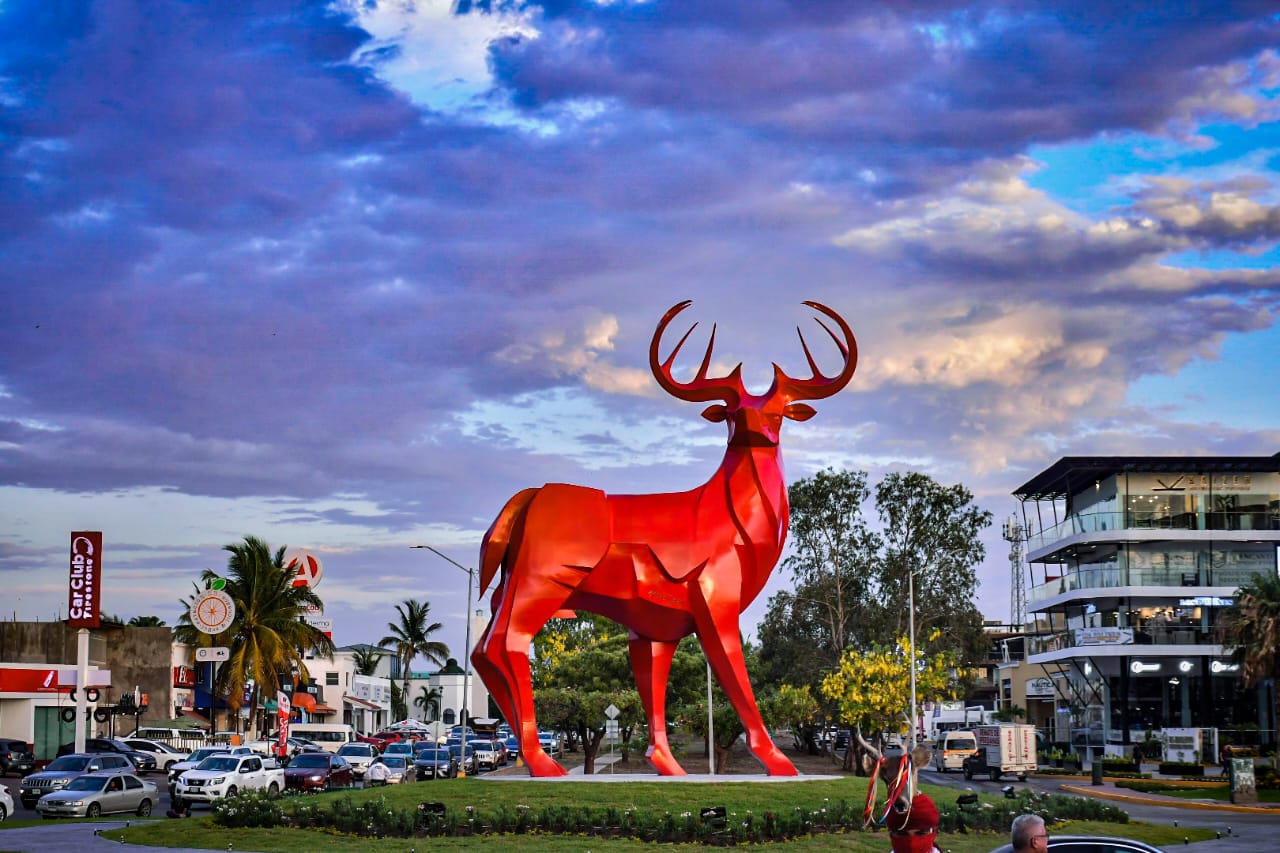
(84, 594)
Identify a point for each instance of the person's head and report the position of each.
(918, 831)
(1029, 834)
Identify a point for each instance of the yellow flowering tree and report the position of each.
(872, 690)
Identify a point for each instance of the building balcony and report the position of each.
(1147, 525)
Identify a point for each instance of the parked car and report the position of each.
(223, 775)
(100, 793)
(512, 743)
(486, 752)
(318, 771)
(6, 802)
(399, 768)
(434, 762)
(16, 757)
(196, 758)
(550, 742)
(64, 768)
(403, 748)
(359, 756)
(1090, 844)
(466, 761)
(165, 755)
(144, 762)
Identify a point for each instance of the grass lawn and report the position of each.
(1218, 793)
(675, 797)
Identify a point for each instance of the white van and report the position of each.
(953, 749)
(328, 736)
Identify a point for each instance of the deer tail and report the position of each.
(493, 549)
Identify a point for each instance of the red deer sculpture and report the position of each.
(664, 565)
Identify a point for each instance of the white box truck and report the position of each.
(1006, 749)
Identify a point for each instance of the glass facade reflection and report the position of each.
(1134, 562)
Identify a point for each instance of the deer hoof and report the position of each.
(543, 766)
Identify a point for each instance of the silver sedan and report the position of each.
(95, 794)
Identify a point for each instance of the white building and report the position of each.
(1133, 560)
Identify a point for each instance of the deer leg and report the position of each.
(717, 621)
(651, 665)
(523, 605)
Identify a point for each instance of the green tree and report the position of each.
(411, 638)
(268, 638)
(1253, 630)
(931, 533)
(428, 699)
(367, 659)
(849, 583)
(146, 622)
(872, 690)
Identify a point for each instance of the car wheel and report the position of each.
(4, 813)
(144, 808)
(995, 775)
(968, 773)
(273, 789)
(94, 810)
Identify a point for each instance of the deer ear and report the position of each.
(799, 411)
(716, 413)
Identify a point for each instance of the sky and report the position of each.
(347, 275)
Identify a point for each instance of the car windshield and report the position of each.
(457, 749)
(203, 753)
(310, 759)
(219, 762)
(396, 762)
(356, 749)
(962, 743)
(400, 747)
(86, 783)
(69, 762)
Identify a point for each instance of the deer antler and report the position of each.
(819, 386)
(701, 389)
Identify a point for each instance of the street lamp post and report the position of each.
(911, 621)
(466, 671)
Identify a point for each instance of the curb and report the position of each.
(1104, 794)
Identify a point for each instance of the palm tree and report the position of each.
(412, 638)
(1253, 628)
(366, 659)
(268, 636)
(146, 622)
(428, 699)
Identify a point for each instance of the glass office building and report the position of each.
(1133, 560)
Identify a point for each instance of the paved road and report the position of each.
(1241, 831)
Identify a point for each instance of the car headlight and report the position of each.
(317, 777)
(76, 803)
(218, 781)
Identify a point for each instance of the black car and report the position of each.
(144, 762)
(16, 757)
(1090, 844)
(432, 762)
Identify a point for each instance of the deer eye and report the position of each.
(799, 411)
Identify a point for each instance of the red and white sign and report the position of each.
(84, 594)
(184, 676)
(31, 681)
(308, 567)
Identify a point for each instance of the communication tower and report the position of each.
(1016, 535)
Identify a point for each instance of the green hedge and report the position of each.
(376, 818)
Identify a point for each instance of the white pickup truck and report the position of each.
(225, 775)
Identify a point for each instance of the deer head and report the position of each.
(901, 789)
(755, 421)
